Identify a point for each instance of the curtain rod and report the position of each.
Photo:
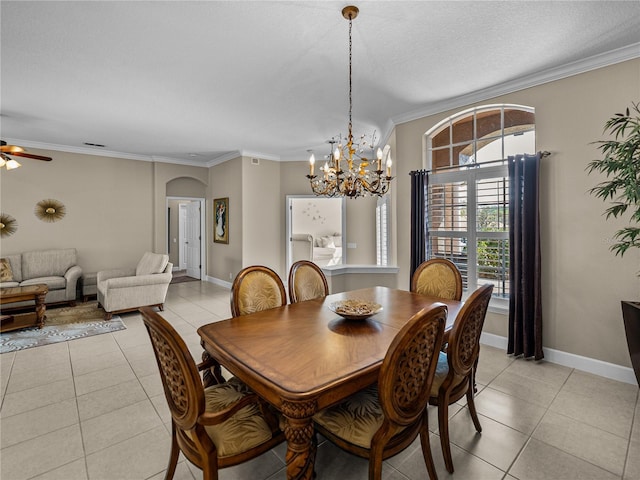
(543, 154)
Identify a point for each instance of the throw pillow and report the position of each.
(6, 274)
(151, 263)
(325, 242)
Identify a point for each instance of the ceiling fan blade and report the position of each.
(11, 149)
(30, 155)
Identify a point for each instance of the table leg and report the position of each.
(301, 445)
(212, 373)
(40, 309)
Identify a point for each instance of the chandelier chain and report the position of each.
(350, 82)
(362, 176)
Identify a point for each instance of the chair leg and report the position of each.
(426, 448)
(443, 425)
(161, 307)
(375, 460)
(472, 406)
(173, 455)
(108, 315)
(209, 472)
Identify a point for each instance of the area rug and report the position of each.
(62, 325)
(184, 278)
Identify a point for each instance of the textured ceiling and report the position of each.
(198, 82)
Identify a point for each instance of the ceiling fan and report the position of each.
(14, 150)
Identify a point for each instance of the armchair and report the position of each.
(125, 290)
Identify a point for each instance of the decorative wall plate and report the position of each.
(50, 210)
(8, 225)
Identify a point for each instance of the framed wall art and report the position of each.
(221, 220)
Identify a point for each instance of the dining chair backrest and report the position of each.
(256, 288)
(438, 277)
(464, 339)
(455, 377)
(306, 282)
(183, 387)
(404, 382)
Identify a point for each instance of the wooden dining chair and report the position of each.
(306, 282)
(455, 374)
(256, 288)
(214, 427)
(382, 420)
(438, 277)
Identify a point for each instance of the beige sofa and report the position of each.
(57, 269)
(125, 290)
(323, 250)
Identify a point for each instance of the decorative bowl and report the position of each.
(354, 309)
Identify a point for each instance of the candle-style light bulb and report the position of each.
(389, 163)
(379, 156)
(336, 155)
(312, 162)
(326, 170)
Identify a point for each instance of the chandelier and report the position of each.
(345, 172)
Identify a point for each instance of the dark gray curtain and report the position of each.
(525, 302)
(419, 185)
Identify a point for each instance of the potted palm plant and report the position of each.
(621, 165)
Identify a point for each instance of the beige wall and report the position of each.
(262, 229)
(108, 201)
(224, 261)
(583, 282)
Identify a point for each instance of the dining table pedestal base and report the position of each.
(301, 442)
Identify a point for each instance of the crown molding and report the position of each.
(594, 62)
(177, 161)
(74, 149)
(224, 158)
(263, 156)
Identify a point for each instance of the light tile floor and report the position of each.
(94, 409)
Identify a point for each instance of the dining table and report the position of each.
(304, 357)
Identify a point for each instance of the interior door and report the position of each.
(193, 240)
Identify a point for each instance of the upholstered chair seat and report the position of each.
(438, 277)
(244, 430)
(306, 282)
(357, 419)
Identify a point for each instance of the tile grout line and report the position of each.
(633, 418)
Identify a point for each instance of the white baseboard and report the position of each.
(217, 281)
(585, 364)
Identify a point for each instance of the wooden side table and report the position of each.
(21, 294)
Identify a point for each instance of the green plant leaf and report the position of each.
(620, 163)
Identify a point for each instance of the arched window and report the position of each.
(468, 193)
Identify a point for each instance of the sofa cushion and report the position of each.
(9, 284)
(151, 263)
(47, 263)
(6, 274)
(54, 283)
(16, 266)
